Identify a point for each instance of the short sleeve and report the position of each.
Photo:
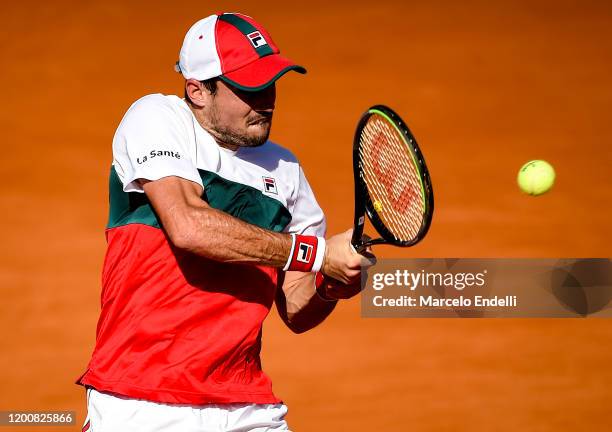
(151, 143)
(306, 215)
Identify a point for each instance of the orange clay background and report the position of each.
(484, 85)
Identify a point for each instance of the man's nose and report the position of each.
(265, 99)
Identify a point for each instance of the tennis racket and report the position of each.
(392, 184)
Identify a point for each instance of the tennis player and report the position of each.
(210, 223)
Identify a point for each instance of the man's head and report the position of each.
(230, 65)
(234, 117)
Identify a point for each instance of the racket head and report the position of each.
(392, 183)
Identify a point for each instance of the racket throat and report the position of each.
(361, 246)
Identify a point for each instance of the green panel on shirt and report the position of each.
(244, 202)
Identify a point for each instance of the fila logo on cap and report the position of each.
(270, 185)
(304, 252)
(257, 39)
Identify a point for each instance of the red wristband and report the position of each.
(306, 253)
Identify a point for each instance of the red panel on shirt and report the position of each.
(178, 328)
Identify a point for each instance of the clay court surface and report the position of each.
(485, 86)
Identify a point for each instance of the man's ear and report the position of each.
(196, 93)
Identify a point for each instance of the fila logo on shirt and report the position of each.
(304, 252)
(270, 185)
(257, 39)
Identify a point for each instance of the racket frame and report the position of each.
(363, 202)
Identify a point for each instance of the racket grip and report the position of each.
(359, 248)
(356, 242)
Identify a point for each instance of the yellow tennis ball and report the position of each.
(536, 177)
(378, 206)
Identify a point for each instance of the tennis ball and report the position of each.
(536, 177)
(378, 206)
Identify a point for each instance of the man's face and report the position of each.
(240, 118)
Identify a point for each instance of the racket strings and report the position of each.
(392, 178)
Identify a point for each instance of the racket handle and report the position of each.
(358, 249)
(361, 244)
(356, 242)
(357, 245)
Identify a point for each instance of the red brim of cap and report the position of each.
(261, 73)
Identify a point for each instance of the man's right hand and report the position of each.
(341, 262)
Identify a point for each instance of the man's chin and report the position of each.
(255, 141)
(258, 137)
(254, 136)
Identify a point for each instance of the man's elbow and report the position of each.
(182, 233)
(299, 326)
(298, 329)
(181, 239)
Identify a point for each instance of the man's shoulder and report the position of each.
(155, 112)
(157, 102)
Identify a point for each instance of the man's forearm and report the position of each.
(217, 235)
(311, 314)
(299, 304)
(192, 225)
